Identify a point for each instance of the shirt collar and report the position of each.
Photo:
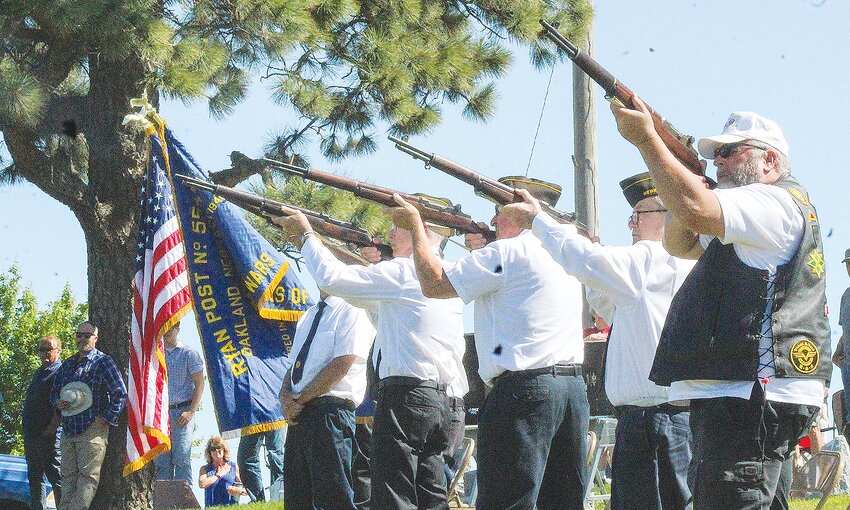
(92, 354)
(178, 346)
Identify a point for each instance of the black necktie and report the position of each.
(298, 367)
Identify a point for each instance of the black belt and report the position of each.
(663, 408)
(410, 382)
(329, 399)
(573, 370)
(179, 404)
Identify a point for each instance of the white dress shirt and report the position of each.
(417, 336)
(527, 309)
(766, 228)
(342, 330)
(639, 281)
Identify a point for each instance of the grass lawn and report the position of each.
(838, 502)
(833, 503)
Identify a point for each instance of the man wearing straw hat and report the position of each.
(89, 392)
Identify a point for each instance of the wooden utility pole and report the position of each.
(584, 159)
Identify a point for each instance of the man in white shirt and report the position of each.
(418, 359)
(533, 424)
(746, 339)
(652, 448)
(324, 384)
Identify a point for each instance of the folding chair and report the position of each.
(453, 496)
(817, 477)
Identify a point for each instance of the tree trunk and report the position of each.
(98, 175)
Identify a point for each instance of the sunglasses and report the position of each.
(47, 349)
(729, 149)
(80, 334)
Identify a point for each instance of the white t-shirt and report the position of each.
(342, 330)
(765, 227)
(527, 309)
(639, 281)
(416, 336)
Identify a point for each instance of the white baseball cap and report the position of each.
(745, 126)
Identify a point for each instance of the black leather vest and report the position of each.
(715, 321)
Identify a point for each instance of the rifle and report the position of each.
(450, 217)
(325, 225)
(681, 145)
(484, 186)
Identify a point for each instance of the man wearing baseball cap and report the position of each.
(747, 339)
(89, 391)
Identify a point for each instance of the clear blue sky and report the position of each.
(692, 61)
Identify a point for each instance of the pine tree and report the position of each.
(68, 69)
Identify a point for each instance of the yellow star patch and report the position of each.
(816, 263)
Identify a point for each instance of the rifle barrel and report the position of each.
(294, 169)
(410, 149)
(196, 183)
(560, 40)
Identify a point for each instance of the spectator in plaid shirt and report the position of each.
(85, 434)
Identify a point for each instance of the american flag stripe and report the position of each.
(160, 299)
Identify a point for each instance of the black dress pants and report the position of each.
(410, 435)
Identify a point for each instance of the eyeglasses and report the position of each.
(83, 334)
(634, 218)
(729, 149)
(215, 449)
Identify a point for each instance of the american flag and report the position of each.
(161, 297)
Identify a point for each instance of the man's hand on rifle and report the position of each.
(474, 241)
(634, 125)
(370, 253)
(294, 225)
(522, 213)
(405, 216)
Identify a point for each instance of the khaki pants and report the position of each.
(82, 456)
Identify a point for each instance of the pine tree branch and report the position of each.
(55, 176)
(242, 168)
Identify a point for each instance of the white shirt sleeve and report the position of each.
(762, 222)
(615, 272)
(355, 284)
(354, 334)
(479, 273)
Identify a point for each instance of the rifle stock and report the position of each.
(681, 145)
(450, 217)
(265, 207)
(484, 186)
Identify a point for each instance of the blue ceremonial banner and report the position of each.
(245, 298)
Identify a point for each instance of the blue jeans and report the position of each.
(652, 452)
(532, 443)
(176, 464)
(845, 379)
(318, 459)
(42, 456)
(248, 459)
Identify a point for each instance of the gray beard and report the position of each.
(743, 174)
